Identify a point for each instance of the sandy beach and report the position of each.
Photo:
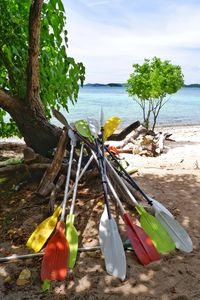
(182, 153)
(173, 178)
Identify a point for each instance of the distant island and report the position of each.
(102, 84)
(192, 85)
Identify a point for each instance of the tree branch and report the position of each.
(33, 88)
(7, 101)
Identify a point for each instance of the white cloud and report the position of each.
(96, 3)
(108, 50)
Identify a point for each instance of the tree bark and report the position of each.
(38, 133)
(33, 96)
(28, 113)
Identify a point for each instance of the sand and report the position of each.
(173, 179)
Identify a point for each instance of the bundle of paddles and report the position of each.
(156, 234)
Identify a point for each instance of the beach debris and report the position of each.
(196, 165)
(142, 142)
(24, 277)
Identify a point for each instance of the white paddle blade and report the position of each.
(103, 229)
(179, 235)
(94, 126)
(115, 258)
(160, 207)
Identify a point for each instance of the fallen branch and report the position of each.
(120, 136)
(54, 168)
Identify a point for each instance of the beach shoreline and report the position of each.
(179, 130)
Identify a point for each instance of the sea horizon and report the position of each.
(183, 107)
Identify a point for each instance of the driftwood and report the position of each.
(12, 146)
(54, 193)
(120, 136)
(142, 142)
(23, 168)
(132, 136)
(52, 171)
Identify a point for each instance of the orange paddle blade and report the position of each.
(54, 263)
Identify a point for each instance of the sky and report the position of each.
(109, 36)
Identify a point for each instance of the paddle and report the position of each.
(141, 243)
(150, 224)
(83, 129)
(71, 232)
(110, 241)
(178, 234)
(43, 231)
(154, 203)
(54, 263)
(110, 126)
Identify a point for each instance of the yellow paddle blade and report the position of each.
(43, 231)
(72, 238)
(110, 126)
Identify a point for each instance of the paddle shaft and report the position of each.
(115, 196)
(73, 143)
(76, 181)
(131, 181)
(64, 121)
(103, 178)
(122, 183)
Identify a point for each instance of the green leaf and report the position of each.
(59, 75)
(150, 83)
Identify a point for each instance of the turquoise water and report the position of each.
(182, 108)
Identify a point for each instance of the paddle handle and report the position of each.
(131, 181)
(76, 180)
(122, 183)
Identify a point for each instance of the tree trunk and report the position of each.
(28, 113)
(38, 133)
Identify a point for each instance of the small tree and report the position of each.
(151, 84)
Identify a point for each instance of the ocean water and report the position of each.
(183, 108)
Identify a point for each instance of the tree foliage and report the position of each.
(59, 75)
(151, 84)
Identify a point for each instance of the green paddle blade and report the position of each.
(155, 231)
(83, 128)
(72, 237)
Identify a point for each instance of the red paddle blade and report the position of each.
(54, 263)
(137, 247)
(141, 242)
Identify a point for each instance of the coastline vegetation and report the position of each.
(113, 84)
